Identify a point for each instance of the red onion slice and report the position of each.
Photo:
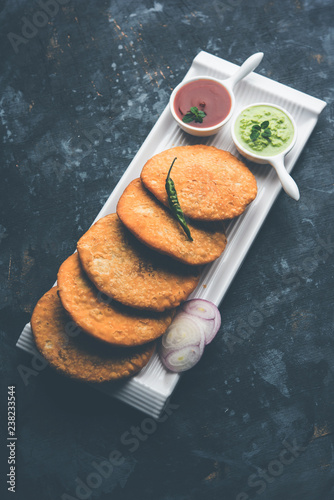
(183, 331)
(195, 325)
(183, 359)
(207, 311)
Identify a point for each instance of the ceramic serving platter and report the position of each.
(150, 390)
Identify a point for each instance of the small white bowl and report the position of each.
(247, 67)
(276, 161)
(201, 131)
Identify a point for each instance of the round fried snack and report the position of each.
(154, 225)
(124, 269)
(102, 316)
(211, 184)
(76, 354)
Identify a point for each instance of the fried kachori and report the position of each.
(125, 269)
(80, 356)
(154, 225)
(103, 317)
(211, 184)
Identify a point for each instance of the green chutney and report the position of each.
(280, 126)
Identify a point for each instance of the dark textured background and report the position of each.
(77, 99)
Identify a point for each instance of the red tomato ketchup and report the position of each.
(208, 96)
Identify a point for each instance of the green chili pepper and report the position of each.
(174, 202)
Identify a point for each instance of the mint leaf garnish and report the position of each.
(254, 134)
(262, 129)
(266, 133)
(194, 115)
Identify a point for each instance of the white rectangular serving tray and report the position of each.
(150, 390)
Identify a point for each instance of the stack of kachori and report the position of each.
(118, 293)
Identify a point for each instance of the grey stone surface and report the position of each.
(78, 96)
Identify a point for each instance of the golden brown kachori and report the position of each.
(211, 184)
(102, 316)
(154, 225)
(125, 269)
(80, 356)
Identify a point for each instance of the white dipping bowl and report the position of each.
(201, 131)
(276, 161)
